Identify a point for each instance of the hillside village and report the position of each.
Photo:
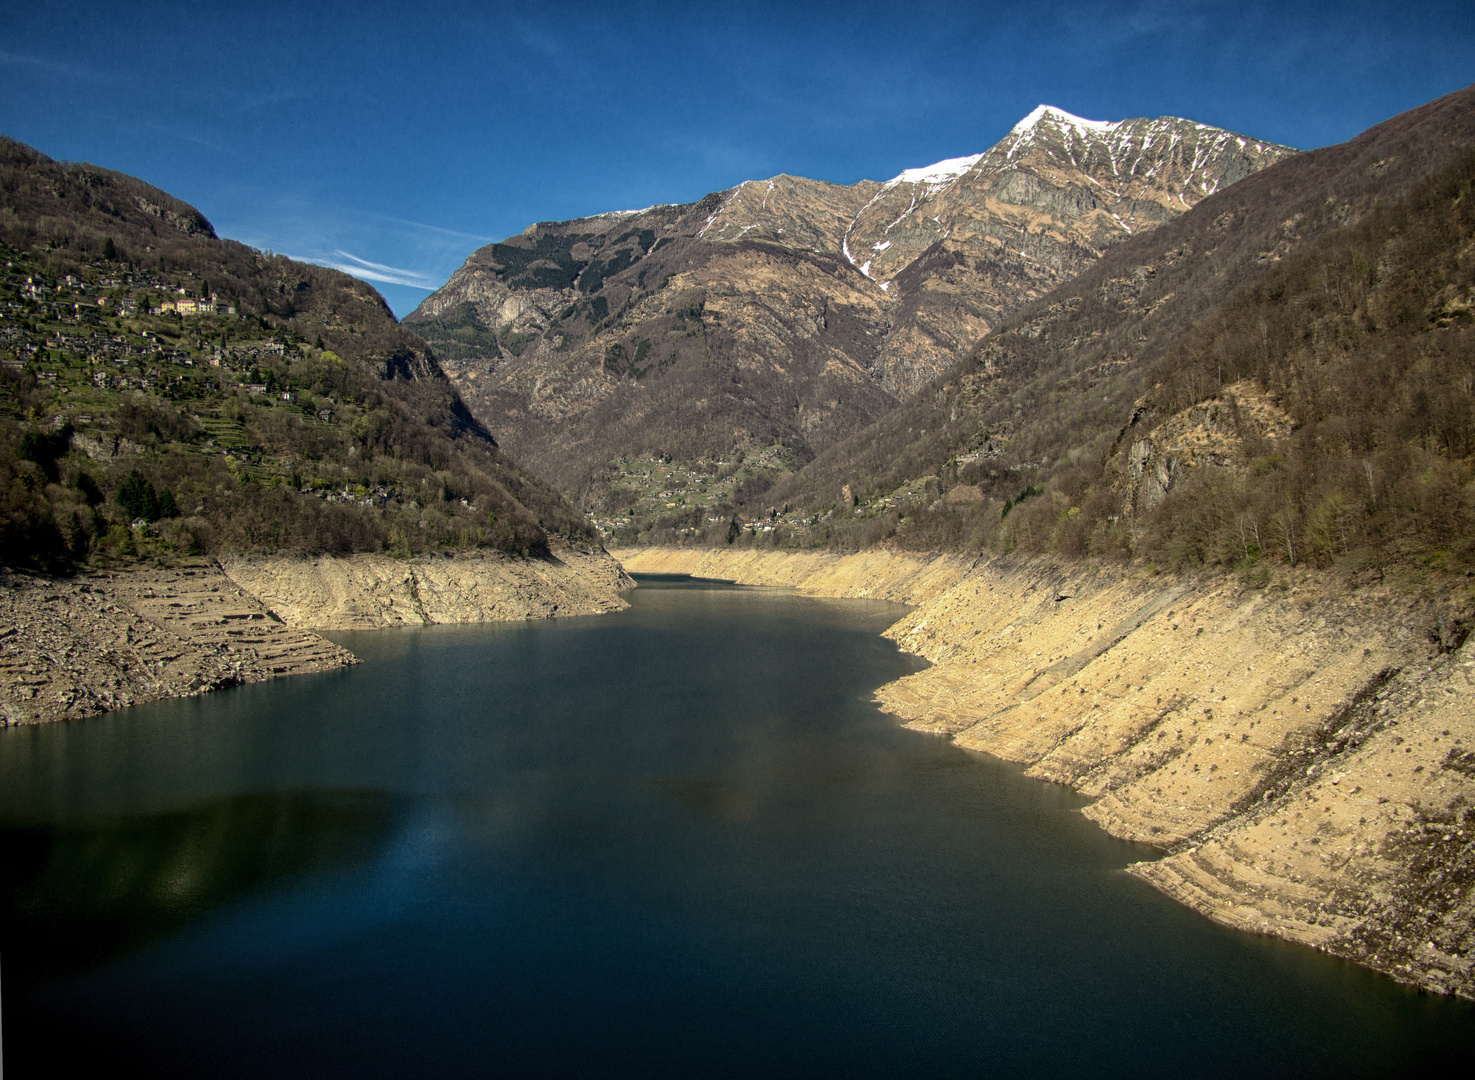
(124, 364)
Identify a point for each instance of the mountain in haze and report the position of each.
(775, 318)
(1284, 375)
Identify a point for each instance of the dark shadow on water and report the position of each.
(659, 580)
(77, 895)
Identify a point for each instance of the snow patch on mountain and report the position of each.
(632, 213)
(941, 173)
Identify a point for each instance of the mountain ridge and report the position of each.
(1122, 142)
(749, 321)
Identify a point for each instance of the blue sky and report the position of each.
(395, 139)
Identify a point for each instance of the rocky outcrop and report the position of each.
(1228, 431)
(1303, 751)
(360, 592)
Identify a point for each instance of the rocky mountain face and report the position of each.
(959, 244)
(790, 311)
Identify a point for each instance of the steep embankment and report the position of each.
(1305, 753)
(76, 647)
(71, 648)
(371, 591)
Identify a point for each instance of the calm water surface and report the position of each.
(674, 841)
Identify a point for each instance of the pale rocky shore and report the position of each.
(1304, 752)
(371, 591)
(74, 647)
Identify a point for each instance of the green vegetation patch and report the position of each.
(128, 430)
(650, 498)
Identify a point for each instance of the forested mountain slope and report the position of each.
(1283, 373)
(162, 389)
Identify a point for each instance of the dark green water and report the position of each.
(674, 841)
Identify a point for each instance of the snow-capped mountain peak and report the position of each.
(1064, 119)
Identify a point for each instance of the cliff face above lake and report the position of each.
(1305, 754)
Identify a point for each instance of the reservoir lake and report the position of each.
(680, 840)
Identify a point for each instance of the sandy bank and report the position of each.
(1305, 754)
(76, 647)
(370, 591)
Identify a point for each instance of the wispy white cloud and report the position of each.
(542, 41)
(437, 229)
(372, 271)
(405, 253)
(55, 67)
(177, 132)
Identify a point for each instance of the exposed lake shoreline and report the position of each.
(680, 835)
(1305, 754)
(75, 647)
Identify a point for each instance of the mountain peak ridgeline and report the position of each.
(788, 311)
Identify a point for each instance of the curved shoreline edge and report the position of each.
(76, 647)
(1305, 754)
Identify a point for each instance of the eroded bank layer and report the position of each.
(877, 575)
(370, 591)
(76, 647)
(71, 648)
(1304, 753)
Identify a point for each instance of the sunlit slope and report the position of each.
(1282, 373)
(165, 390)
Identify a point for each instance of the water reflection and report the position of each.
(725, 797)
(77, 894)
